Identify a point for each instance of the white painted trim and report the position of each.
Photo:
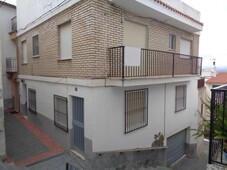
(78, 154)
(129, 82)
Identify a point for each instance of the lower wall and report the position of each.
(107, 160)
(106, 144)
(8, 103)
(125, 160)
(2, 132)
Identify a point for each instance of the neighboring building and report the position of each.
(7, 49)
(218, 80)
(208, 73)
(114, 81)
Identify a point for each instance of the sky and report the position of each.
(214, 35)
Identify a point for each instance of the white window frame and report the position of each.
(24, 52)
(136, 109)
(172, 42)
(60, 114)
(65, 48)
(35, 45)
(180, 98)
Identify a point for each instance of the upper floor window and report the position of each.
(65, 32)
(180, 103)
(35, 45)
(24, 52)
(172, 41)
(136, 109)
(135, 34)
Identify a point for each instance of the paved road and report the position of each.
(198, 163)
(25, 141)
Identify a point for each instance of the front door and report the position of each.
(78, 123)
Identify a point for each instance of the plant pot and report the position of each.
(225, 153)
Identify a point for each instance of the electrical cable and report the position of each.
(43, 15)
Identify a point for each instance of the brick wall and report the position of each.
(96, 26)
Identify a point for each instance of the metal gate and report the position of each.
(218, 126)
(32, 100)
(176, 147)
(78, 122)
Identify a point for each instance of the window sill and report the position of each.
(24, 64)
(136, 128)
(180, 110)
(61, 60)
(35, 56)
(172, 50)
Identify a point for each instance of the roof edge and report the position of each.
(177, 11)
(7, 4)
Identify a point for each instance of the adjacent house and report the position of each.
(218, 80)
(7, 51)
(115, 82)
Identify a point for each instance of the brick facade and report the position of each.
(96, 26)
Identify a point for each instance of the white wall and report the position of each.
(178, 4)
(178, 121)
(8, 46)
(29, 11)
(104, 112)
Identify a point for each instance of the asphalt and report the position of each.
(20, 142)
(27, 145)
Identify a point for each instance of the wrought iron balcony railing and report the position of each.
(11, 65)
(134, 62)
(14, 24)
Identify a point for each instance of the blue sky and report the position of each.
(214, 35)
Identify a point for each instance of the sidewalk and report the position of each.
(26, 143)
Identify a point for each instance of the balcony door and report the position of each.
(135, 35)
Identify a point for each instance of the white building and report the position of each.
(119, 77)
(7, 49)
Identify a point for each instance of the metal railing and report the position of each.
(218, 126)
(11, 65)
(153, 63)
(14, 24)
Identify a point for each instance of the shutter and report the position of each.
(176, 147)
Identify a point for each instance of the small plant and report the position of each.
(219, 124)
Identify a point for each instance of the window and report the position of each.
(32, 100)
(24, 52)
(136, 109)
(65, 41)
(135, 35)
(35, 45)
(180, 103)
(61, 112)
(172, 42)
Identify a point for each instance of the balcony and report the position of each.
(13, 31)
(135, 62)
(11, 65)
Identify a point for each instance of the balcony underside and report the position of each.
(154, 10)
